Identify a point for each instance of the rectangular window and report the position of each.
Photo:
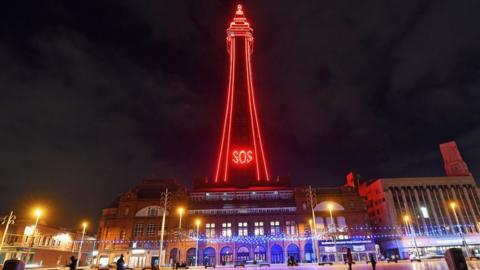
(138, 230)
(150, 229)
(258, 228)
(226, 229)
(275, 227)
(210, 230)
(122, 234)
(291, 227)
(242, 229)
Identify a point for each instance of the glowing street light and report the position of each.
(84, 226)
(180, 211)
(37, 212)
(330, 209)
(197, 224)
(406, 218)
(454, 205)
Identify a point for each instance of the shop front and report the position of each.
(433, 246)
(361, 249)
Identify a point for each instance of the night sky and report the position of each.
(97, 95)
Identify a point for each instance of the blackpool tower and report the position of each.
(241, 155)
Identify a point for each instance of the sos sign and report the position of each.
(242, 156)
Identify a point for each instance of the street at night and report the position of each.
(277, 134)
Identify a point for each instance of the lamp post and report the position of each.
(38, 213)
(84, 225)
(314, 223)
(7, 221)
(330, 209)
(453, 205)
(162, 231)
(406, 218)
(197, 224)
(180, 210)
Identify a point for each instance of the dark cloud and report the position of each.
(96, 96)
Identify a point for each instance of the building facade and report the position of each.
(236, 225)
(428, 214)
(45, 245)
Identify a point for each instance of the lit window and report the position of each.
(150, 229)
(291, 227)
(242, 228)
(138, 230)
(258, 228)
(275, 227)
(226, 229)
(210, 230)
(152, 212)
(122, 235)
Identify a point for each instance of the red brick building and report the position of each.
(47, 246)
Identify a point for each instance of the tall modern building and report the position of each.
(426, 214)
(244, 214)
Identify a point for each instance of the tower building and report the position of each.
(241, 156)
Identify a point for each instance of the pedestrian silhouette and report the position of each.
(73, 263)
(121, 263)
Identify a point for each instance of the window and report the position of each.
(150, 229)
(125, 211)
(242, 229)
(258, 226)
(153, 212)
(122, 234)
(275, 227)
(210, 230)
(291, 227)
(226, 229)
(138, 230)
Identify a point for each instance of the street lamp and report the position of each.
(313, 236)
(84, 226)
(180, 211)
(7, 220)
(453, 205)
(406, 218)
(197, 224)
(38, 213)
(330, 209)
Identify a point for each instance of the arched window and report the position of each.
(294, 252)
(209, 256)
(260, 253)
(150, 211)
(276, 254)
(243, 254)
(191, 256)
(226, 256)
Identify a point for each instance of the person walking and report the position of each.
(349, 259)
(121, 263)
(73, 263)
(373, 261)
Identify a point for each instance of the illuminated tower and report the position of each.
(452, 160)
(241, 156)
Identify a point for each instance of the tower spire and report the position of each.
(241, 155)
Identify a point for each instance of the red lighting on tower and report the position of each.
(241, 155)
